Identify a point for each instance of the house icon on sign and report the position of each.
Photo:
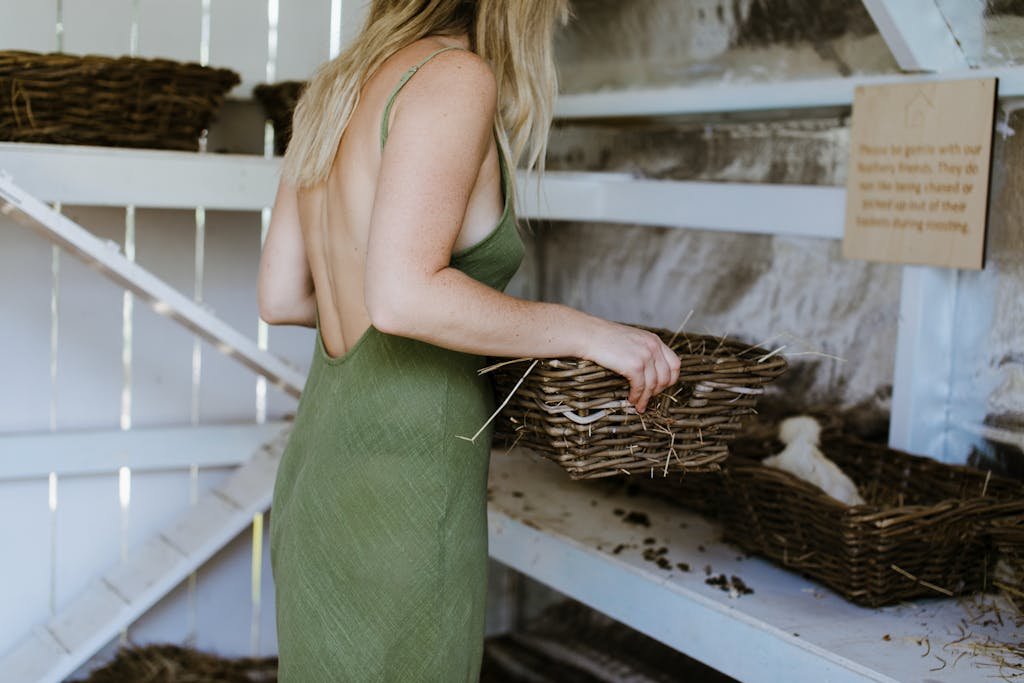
(917, 110)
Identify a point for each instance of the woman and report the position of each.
(396, 241)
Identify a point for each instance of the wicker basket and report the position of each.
(1008, 537)
(278, 102)
(109, 101)
(575, 411)
(923, 532)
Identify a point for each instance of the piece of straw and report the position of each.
(503, 404)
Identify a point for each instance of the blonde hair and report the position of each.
(513, 36)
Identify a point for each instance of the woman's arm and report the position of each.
(441, 133)
(285, 285)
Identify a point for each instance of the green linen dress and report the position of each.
(378, 529)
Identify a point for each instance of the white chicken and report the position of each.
(802, 458)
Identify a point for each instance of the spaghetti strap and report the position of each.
(401, 83)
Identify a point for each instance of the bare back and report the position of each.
(335, 216)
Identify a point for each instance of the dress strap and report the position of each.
(401, 83)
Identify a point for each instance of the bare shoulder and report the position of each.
(451, 78)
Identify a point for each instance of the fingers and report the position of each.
(673, 364)
(664, 371)
(650, 385)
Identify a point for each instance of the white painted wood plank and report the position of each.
(198, 528)
(25, 259)
(917, 34)
(164, 299)
(304, 37)
(28, 26)
(88, 534)
(89, 367)
(33, 658)
(146, 566)
(248, 486)
(97, 27)
(733, 207)
(77, 453)
(107, 176)
(295, 345)
(922, 373)
(187, 179)
(162, 350)
(703, 99)
(564, 533)
(91, 620)
(228, 392)
(353, 16)
(170, 29)
(227, 578)
(25, 588)
(238, 40)
(75, 627)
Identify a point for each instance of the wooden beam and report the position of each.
(107, 176)
(715, 98)
(50, 653)
(917, 34)
(103, 451)
(164, 299)
(730, 207)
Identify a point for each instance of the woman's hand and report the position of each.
(638, 355)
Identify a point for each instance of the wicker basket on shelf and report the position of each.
(109, 101)
(575, 412)
(279, 102)
(1008, 537)
(925, 530)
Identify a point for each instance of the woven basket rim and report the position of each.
(135, 61)
(743, 464)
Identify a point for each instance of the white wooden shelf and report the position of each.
(144, 449)
(565, 534)
(111, 176)
(102, 176)
(715, 98)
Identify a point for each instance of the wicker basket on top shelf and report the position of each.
(109, 101)
(575, 412)
(279, 102)
(925, 530)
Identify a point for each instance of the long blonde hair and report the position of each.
(513, 36)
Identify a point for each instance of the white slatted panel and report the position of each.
(295, 345)
(97, 26)
(156, 499)
(25, 572)
(168, 620)
(238, 40)
(25, 362)
(89, 374)
(353, 14)
(28, 25)
(162, 355)
(226, 580)
(228, 391)
(303, 39)
(170, 29)
(88, 532)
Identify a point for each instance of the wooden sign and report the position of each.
(917, 189)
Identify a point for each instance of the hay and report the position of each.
(168, 663)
